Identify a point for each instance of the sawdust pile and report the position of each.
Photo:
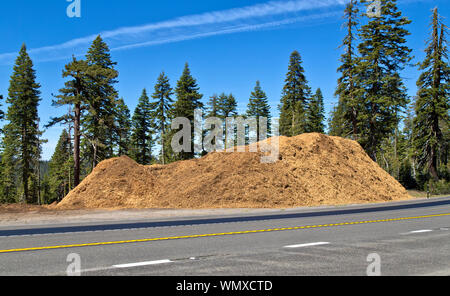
(313, 169)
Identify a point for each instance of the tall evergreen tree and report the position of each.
(142, 131)
(227, 105)
(213, 106)
(258, 106)
(222, 106)
(296, 93)
(316, 113)
(21, 150)
(162, 108)
(99, 122)
(432, 102)
(383, 54)
(76, 95)
(343, 120)
(188, 99)
(60, 169)
(122, 128)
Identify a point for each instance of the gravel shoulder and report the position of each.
(26, 215)
(33, 215)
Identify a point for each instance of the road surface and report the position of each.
(403, 238)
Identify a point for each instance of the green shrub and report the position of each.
(438, 187)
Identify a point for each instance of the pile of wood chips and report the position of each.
(313, 169)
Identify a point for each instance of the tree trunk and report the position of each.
(354, 124)
(162, 142)
(70, 150)
(25, 161)
(293, 123)
(433, 165)
(94, 160)
(76, 146)
(434, 147)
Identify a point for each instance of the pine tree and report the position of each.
(294, 101)
(432, 102)
(187, 101)
(142, 131)
(316, 113)
(337, 124)
(213, 106)
(258, 107)
(408, 168)
(388, 154)
(161, 110)
(170, 155)
(98, 124)
(383, 54)
(46, 192)
(76, 95)
(227, 105)
(21, 139)
(8, 168)
(122, 128)
(222, 106)
(60, 179)
(343, 120)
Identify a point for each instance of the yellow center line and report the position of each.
(218, 234)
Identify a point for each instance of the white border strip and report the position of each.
(142, 263)
(306, 245)
(421, 231)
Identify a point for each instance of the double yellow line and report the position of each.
(217, 234)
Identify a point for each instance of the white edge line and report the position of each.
(142, 263)
(421, 231)
(306, 245)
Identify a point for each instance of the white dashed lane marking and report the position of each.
(421, 231)
(306, 245)
(137, 264)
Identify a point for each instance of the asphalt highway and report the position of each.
(400, 238)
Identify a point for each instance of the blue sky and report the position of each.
(228, 44)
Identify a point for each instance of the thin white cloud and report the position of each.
(236, 14)
(235, 29)
(246, 18)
